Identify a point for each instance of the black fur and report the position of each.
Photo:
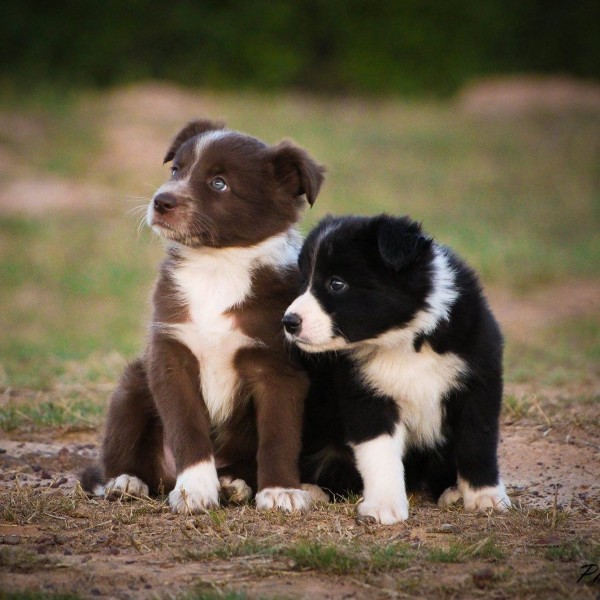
(387, 264)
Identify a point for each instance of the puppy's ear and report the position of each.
(190, 130)
(401, 242)
(296, 171)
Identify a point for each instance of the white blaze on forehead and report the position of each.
(207, 138)
(316, 247)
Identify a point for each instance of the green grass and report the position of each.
(486, 549)
(327, 558)
(80, 412)
(567, 352)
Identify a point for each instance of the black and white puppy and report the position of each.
(413, 380)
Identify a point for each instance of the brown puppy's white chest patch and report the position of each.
(211, 282)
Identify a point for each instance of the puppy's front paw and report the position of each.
(385, 512)
(286, 499)
(485, 498)
(196, 489)
(234, 491)
(125, 487)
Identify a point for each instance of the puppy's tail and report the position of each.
(92, 480)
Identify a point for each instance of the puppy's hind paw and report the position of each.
(234, 491)
(485, 498)
(286, 499)
(125, 487)
(318, 495)
(449, 497)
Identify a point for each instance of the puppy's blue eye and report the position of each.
(337, 285)
(218, 184)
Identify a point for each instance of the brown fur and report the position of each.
(159, 402)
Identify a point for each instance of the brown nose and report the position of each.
(163, 203)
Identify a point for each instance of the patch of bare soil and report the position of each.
(504, 96)
(523, 316)
(38, 195)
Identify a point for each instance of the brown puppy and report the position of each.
(216, 400)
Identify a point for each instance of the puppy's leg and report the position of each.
(379, 462)
(476, 445)
(132, 448)
(278, 390)
(175, 383)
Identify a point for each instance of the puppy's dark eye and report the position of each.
(218, 184)
(174, 170)
(337, 285)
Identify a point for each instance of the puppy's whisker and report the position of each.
(129, 197)
(142, 208)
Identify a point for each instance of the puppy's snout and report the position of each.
(163, 203)
(292, 322)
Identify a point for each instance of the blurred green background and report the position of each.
(357, 46)
(506, 170)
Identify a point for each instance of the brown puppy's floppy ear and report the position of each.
(296, 171)
(190, 130)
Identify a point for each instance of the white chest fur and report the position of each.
(417, 381)
(211, 282)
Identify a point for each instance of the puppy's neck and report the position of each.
(278, 251)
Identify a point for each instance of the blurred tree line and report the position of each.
(358, 46)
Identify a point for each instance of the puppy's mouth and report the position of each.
(335, 343)
(173, 227)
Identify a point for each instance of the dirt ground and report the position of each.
(53, 539)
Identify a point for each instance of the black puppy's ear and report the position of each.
(296, 171)
(401, 242)
(190, 130)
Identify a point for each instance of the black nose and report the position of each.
(292, 322)
(163, 203)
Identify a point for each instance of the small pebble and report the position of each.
(12, 540)
(447, 528)
(483, 578)
(60, 481)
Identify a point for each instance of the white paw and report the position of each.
(316, 493)
(485, 498)
(196, 489)
(234, 491)
(384, 512)
(123, 487)
(450, 496)
(287, 499)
